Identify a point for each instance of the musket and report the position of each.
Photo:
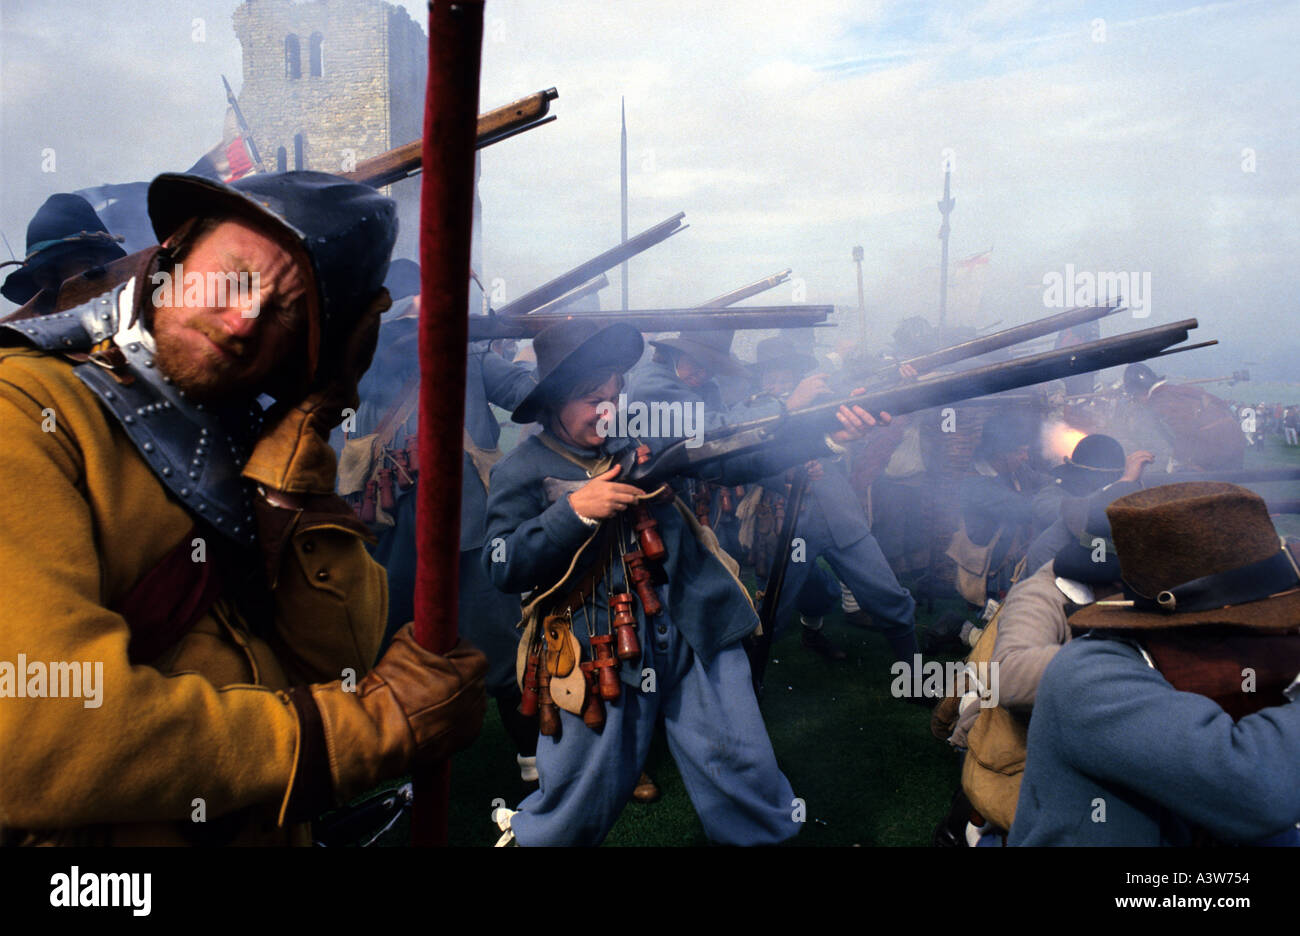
(925, 363)
(744, 292)
(1239, 476)
(530, 301)
(776, 581)
(493, 127)
(484, 327)
(573, 295)
(801, 432)
(243, 125)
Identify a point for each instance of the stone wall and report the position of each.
(368, 97)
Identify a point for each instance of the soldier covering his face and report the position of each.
(183, 549)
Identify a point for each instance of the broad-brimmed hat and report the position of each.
(778, 351)
(64, 228)
(568, 351)
(1202, 552)
(1096, 461)
(711, 348)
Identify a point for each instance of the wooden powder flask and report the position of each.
(593, 709)
(624, 621)
(548, 715)
(529, 700)
(386, 499)
(647, 534)
(640, 580)
(604, 664)
(368, 501)
(647, 528)
(703, 500)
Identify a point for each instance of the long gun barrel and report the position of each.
(925, 363)
(744, 292)
(802, 430)
(493, 126)
(573, 295)
(1242, 476)
(530, 301)
(484, 327)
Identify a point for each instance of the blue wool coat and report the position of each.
(538, 537)
(489, 378)
(1110, 733)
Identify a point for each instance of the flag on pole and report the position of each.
(229, 159)
(966, 288)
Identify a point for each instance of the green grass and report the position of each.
(864, 762)
(1273, 452)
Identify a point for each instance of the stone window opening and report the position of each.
(281, 160)
(297, 151)
(317, 61)
(292, 57)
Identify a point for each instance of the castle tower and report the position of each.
(327, 84)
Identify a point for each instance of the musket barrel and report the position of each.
(493, 126)
(484, 327)
(1240, 476)
(798, 428)
(745, 292)
(1001, 339)
(573, 295)
(611, 258)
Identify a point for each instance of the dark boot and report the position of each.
(818, 642)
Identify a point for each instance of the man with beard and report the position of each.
(183, 550)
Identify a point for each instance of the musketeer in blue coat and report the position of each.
(1171, 720)
(831, 522)
(558, 526)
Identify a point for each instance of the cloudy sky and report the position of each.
(1158, 138)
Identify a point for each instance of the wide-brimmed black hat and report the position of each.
(63, 229)
(568, 351)
(1095, 462)
(347, 230)
(710, 348)
(779, 351)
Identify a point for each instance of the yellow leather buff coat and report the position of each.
(202, 730)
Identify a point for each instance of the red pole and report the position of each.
(446, 213)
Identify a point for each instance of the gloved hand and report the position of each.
(414, 707)
(293, 454)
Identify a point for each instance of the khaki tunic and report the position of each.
(204, 727)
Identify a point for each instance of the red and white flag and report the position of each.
(966, 288)
(229, 159)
